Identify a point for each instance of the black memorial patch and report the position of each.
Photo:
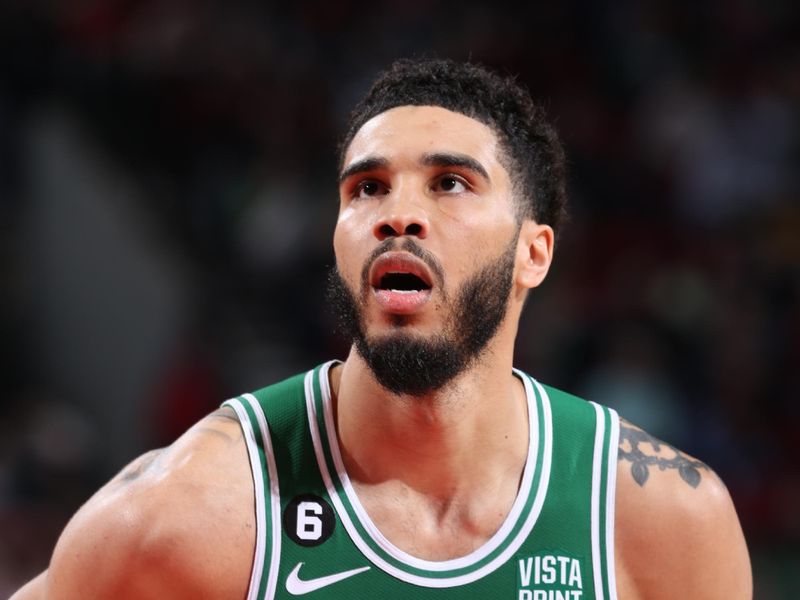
(308, 520)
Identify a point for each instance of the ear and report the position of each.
(534, 253)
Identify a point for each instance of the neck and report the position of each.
(473, 432)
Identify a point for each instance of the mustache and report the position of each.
(407, 245)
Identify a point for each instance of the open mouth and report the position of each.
(402, 282)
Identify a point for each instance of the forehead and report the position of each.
(422, 129)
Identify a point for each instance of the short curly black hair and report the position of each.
(533, 154)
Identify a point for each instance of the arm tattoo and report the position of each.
(140, 465)
(631, 440)
(135, 470)
(227, 415)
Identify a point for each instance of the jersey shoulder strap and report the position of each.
(273, 422)
(581, 492)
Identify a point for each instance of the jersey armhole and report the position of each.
(264, 470)
(604, 484)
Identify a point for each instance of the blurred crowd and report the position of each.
(168, 194)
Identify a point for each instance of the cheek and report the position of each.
(479, 247)
(460, 211)
(354, 224)
(490, 214)
(346, 214)
(339, 246)
(348, 245)
(475, 232)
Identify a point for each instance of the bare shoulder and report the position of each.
(176, 522)
(677, 532)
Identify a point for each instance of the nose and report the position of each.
(400, 216)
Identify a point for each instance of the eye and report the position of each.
(451, 184)
(369, 188)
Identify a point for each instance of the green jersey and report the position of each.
(315, 538)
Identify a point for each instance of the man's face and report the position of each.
(425, 244)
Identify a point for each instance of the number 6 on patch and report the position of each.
(309, 526)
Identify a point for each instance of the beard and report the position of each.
(415, 365)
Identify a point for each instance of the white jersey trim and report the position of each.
(378, 538)
(597, 471)
(275, 498)
(611, 497)
(456, 563)
(258, 486)
(609, 471)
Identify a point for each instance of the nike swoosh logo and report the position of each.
(297, 587)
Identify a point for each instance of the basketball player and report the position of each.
(424, 465)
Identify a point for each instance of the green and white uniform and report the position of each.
(314, 537)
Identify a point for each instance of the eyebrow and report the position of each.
(437, 159)
(363, 166)
(446, 159)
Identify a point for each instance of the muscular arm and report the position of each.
(677, 532)
(175, 523)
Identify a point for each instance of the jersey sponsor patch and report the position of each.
(549, 576)
(308, 520)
